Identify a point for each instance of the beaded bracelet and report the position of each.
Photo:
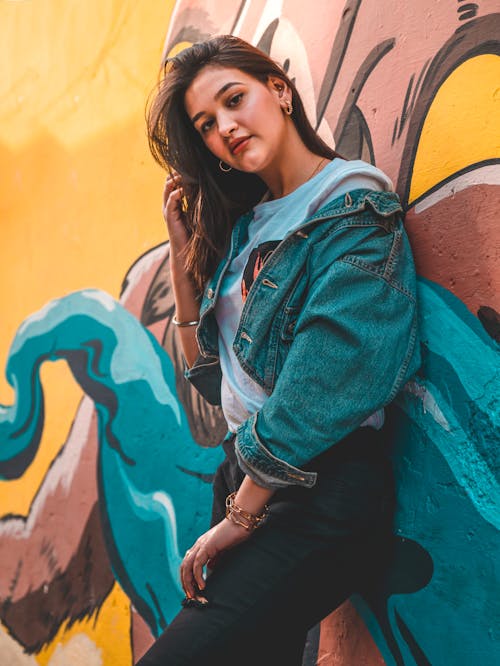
(239, 516)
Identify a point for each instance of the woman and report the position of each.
(295, 305)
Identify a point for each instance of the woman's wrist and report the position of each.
(187, 307)
(251, 497)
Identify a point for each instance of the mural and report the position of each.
(412, 89)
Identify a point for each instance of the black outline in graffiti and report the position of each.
(408, 107)
(362, 75)
(467, 11)
(415, 649)
(266, 40)
(162, 622)
(238, 14)
(337, 54)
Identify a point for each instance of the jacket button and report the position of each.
(210, 293)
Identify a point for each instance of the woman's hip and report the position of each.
(354, 491)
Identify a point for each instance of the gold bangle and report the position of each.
(184, 323)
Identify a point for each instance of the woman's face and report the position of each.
(239, 118)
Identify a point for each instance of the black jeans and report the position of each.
(316, 548)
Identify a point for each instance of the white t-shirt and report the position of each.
(272, 221)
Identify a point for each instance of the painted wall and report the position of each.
(106, 455)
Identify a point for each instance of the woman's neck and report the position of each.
(294, 165)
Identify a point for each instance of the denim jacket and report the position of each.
(328, 329)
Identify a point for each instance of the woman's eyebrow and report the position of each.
(220, 92)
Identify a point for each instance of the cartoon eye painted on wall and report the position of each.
(451, 171)
(460, 132)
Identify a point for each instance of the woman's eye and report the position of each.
(235, 99)
(206, 126)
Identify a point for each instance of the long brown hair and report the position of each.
(215, 199)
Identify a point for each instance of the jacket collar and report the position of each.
(383, 203)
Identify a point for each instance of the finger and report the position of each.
(188, 582)
(183, 569)
(173, 201)
(172, 173)
(183, 578)
(171, 183)
(199, 562)
(172, 180)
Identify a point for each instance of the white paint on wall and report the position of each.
(80, 650)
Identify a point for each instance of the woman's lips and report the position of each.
(240, 146)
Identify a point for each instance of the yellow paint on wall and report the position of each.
(462, 126)
(180, 46)
(80, 196)
(62, 394)
(79, 68)
(109, 632)
(80, 201)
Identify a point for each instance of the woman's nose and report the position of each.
(227, 125)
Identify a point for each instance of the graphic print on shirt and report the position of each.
(258, 257)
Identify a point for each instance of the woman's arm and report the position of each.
(250, 497)
(186, 305)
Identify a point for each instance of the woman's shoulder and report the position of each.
(355, 174)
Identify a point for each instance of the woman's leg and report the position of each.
(317, 548)
(263, 597)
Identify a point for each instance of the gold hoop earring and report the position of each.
(288, 108)
(224, 167)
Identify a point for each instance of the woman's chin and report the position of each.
(249, 160)
(250, 164)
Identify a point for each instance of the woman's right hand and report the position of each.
(173, 213)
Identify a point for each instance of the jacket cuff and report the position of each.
(205, 375)
(262, 466)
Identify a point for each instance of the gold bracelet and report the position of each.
(230, 516)
(184, 323)
(236, 514)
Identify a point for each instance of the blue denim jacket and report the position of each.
(328, 329)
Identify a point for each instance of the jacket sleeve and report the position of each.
(354, 347)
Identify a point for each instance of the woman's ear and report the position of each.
(278, 86)
(283, 93)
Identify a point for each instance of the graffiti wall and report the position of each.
(106, 454)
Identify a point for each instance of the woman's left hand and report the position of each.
(205, 550)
